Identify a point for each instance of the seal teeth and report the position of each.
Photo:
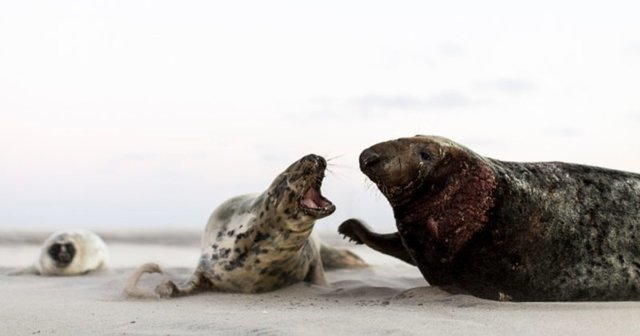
(312, 199)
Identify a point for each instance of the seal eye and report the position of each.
(425, 156)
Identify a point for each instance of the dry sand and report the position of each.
(388, 298)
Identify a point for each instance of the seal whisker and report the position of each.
(335, 157)
(342, 166)
(338, 176)
(371, 187)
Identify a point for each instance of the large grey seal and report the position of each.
(506, 230)
(71, 252)
(262, 242)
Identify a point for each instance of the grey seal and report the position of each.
(522, 231)
(263, 242)
(69, 252)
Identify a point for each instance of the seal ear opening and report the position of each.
(132, 290)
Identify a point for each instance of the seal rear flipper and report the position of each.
(316, 274)
(333, 258)
(131, 288)
(167, 288)
(390, 244)
(197, 283)
(31, 270)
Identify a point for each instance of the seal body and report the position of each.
(72, 252)
(507, 230)
(262, 242)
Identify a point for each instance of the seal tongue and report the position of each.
(312, 199)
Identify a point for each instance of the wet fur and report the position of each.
(509, 230)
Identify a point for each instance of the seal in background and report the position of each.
(71, 252)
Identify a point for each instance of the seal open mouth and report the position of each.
(313, 203)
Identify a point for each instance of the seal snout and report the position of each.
(317, 159)
(62, 253)
(369, 159)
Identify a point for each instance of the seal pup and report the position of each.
(543, 231)
(72, 252)
(262, 242)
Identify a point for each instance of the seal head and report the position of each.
(406, 166)
(440, 192)
(261, 242)
(296, 192)
(62, 253)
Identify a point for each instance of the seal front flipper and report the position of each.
(334, 258)
(31, 270)
(390, 244)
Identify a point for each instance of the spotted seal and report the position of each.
(544, 231)
(71, 252)
(258, 243)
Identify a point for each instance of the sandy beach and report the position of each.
(388, 298)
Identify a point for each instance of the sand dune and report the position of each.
(388, 298)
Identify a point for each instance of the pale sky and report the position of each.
(143, 114)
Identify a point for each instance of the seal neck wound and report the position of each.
(455, 213)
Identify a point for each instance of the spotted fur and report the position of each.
(262, 242)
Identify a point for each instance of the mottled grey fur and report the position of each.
(262, 242)
(538, 231)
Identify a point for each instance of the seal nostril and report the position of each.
(314, 160)
(64, 257)
(311, 157)
(317, 159)
(369, 158)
